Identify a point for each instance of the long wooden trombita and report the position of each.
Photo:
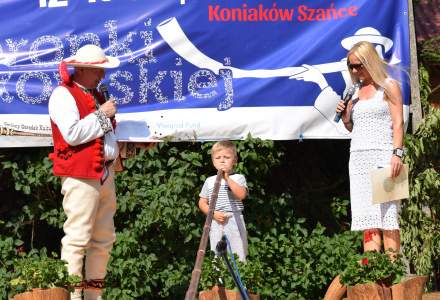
(195, 276)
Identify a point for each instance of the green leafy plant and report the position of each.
(374, 267)
(215, 272)
(420, 222)
(38, 270)
(430, 50)
(7, 251)
(292, 232)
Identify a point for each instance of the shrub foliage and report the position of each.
(159, 225)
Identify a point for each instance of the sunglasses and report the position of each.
(355, 66)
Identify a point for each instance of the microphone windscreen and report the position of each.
(103, 88)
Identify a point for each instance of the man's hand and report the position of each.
(109, 108)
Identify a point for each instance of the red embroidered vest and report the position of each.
(81, 161)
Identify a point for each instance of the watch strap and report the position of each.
(398, 152)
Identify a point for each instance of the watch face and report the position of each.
(398, 152)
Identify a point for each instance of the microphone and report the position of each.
(103, 89)
(347, 98)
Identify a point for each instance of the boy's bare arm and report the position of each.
(239, 191)
(204, 207)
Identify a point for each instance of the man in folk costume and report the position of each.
(85, 148)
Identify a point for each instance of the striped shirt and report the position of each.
(226, 200)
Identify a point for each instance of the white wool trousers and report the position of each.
(89, 228)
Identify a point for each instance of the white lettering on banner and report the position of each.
(46, 90)
(4, 94)
(201, 85)
(61, 3)
(123, 88)
(201, 80)
(53, 3)
(49, 50)
(57, 44)
(177, 79)
(14, 48)
(65, 3)
(76, 41)
(118, 46)
(226, 74)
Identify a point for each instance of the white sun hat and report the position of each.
(91, 56)
(368, 34)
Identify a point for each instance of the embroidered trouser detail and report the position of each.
(95, 284)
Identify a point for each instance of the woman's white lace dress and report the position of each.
(371, 146)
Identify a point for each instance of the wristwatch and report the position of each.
(398, 152)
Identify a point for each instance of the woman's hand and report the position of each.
(396, 165)
(346, 111)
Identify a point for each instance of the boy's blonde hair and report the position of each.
(220, 145)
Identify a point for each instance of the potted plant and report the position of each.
(373, 275)
(216, 282)
(37, 276)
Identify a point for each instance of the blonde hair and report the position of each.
(373, 63)
(220, 145)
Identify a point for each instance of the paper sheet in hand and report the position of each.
(385, 188)
(133, 131)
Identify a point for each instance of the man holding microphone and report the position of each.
(85, 148)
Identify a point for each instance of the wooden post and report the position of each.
(415, 107)
(195, 276)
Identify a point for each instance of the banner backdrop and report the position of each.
(197, 70)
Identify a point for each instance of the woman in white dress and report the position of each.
(375, 119)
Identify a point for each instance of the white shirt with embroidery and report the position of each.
(75, 131)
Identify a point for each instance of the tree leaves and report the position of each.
(420, 225)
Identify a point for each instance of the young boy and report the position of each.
(228, 218)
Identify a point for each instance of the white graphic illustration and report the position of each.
(324, 104)
(268, 122)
